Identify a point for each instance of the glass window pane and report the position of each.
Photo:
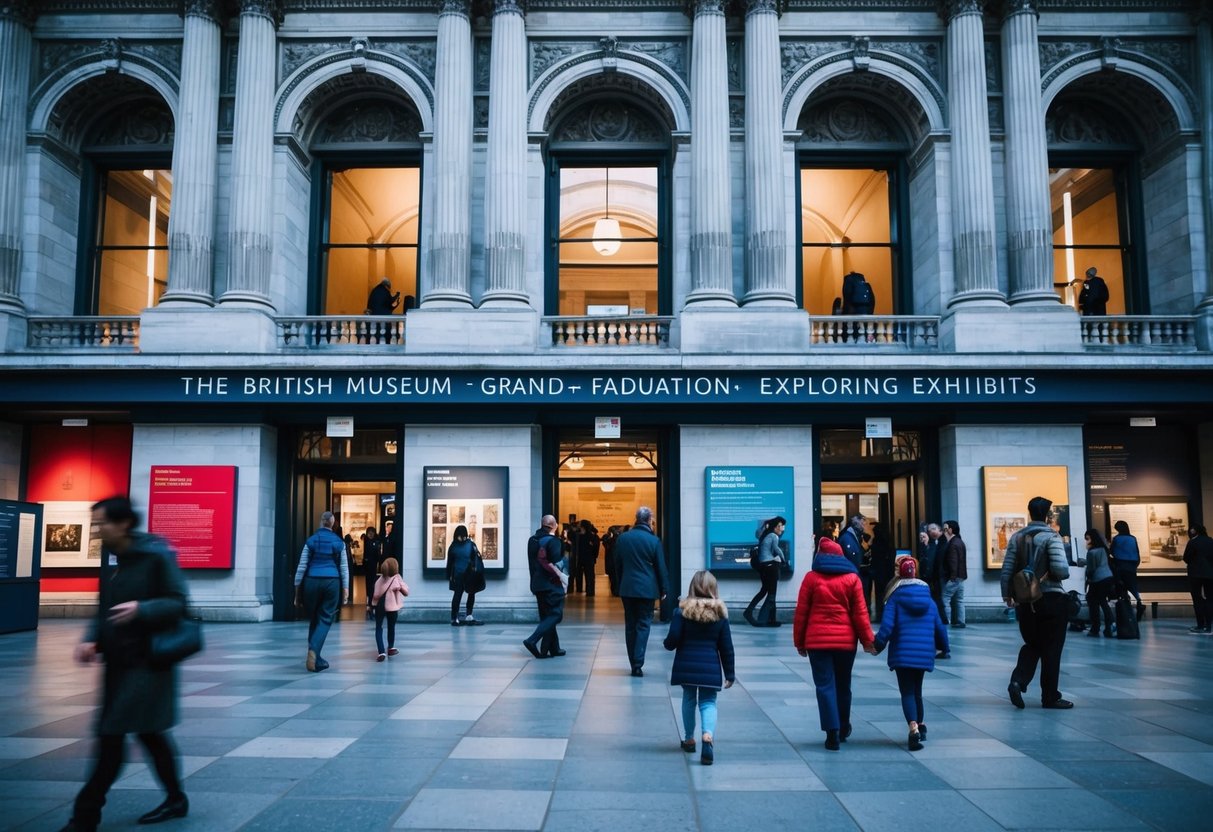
(841, 205)
(351, 274)
(375, 205)
(627, 194)
(1087, 196)
(1109, 264)
(628, 280)
(132, 261)
(825, 267)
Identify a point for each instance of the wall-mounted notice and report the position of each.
(476, 498)
(20, 524)
(738, 500)
(1007, 491)
(194, 508)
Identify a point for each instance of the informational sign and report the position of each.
(1160, 525)
(1007, 492)
(339, 426)
(194, 508)
(607, 427)
(475, 498)
(67, 534)
(738, 501)
(876, 427)
(20, 547)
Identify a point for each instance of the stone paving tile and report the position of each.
(577, 743)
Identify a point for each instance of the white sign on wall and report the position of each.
(878, 428)
(607, 427)
(339, 426)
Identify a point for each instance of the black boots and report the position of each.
(832, 743)
(174, 807)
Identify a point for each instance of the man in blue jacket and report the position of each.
(640, 559)
(549, 585)
(851, 539)
(322, 579)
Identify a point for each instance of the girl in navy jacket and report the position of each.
(912, 628)
(703, 644)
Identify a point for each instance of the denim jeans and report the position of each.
(832, 676)
(551, 613)
(321, 598)
(637, 620)
(954, 602)
(382, 615)
(705, 700)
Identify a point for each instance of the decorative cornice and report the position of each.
(463, 8)
(22, 11)
(210, 9)
(509, 7)
(271, 9)
(1014, 7)
(694, 8)
(765, 6)
(951, 9)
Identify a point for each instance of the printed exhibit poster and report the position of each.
(1160, 525)
(66, 534)
(1007, 491)
(738, 501)
(194, 508)
(476, 498)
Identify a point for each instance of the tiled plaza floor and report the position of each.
(464, 730)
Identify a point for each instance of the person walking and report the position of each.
(322, 582)
(372, 555)
(1100, 583)
(851, 539)
(642, 580)
(1125, 556)
(587, 555)
(548, 584)
(142, 592)
(1198, 555)
(387, 597)
(830, 618)
(954, 571)
(883, 568)
(461, 576)
(913, 631)
(703, 645)
(1042, 623)
(770, 563)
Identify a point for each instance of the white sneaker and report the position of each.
(470, 621)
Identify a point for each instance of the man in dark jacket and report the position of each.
(955, 571)
(142, 591)
(1198, 555)
(381, 300)
(322, 581)
(851, 539)
(930, 547)
(587, 555)
(548, 585)
(640, 559)
(1093, 299)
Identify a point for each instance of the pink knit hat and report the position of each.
(907, 568)
(828, 546)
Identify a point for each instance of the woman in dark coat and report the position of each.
(883, 554)
(458, 559)
(703, 644)
(142, 592)
(1198, 555)
(372, 556)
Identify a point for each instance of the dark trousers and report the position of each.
(1202, 600)
(321, 598)
(937, 595)
(637, 619)
(575, 573)
(111, 752)
(369, 581)
(1125, 574)
(832, 677)
(1098, 594)
(865, 580)
(769, 574)
(551, 613)
(1043, 630)
(586, 565)
(909, 684)
(457, 599)
(382, 615)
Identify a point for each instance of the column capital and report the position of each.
(951, 9)
(509, 7)
(1014, 7)
(22, 11)
(1202, 13)
(212, 10)
(765, 6)
(271, 9)
(463, 8)
(694, 8)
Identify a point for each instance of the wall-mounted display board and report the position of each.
(1006, 491)
(194, 508)
(20, 565)
(1160, 525)
(470, 496)
(737, 501)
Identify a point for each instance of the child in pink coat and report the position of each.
(390, 591)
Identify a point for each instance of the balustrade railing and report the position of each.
(318, 332)
(906, 332)
(1130, 332)
(84, 332)
(616, 331)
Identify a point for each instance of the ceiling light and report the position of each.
(606, 230)
(607, 487)
(389, 445)
(637, 461)
(574, 463)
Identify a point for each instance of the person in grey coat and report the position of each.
(640, 559)
(142, 592)
(770, 563)
(1042, 624)
(1100, 583)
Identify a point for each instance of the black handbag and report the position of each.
(182, 640)
(473, 579)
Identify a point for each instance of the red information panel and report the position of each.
(194, 507)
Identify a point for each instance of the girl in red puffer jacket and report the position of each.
(831, 617)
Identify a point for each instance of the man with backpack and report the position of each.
(548, 584)
(1033, 569)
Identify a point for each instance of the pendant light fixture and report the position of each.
(606, 230)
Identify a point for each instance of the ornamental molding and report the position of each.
(294, 54)
(370, 121)
(1013, 7)
(1112, 54)
(1077, 121)
(509, 7)
(672, 54)
(212, 10)
(951, 9)
(134, 113)
(463, 8)
(716, 8)
(848, 121)
(629, 89)
(269, 9)
(609, 120)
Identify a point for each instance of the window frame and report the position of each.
(324, 165)
(896, 166)
(1126, 174)
(632, 156)
(95, 169)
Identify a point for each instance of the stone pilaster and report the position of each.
(250, 233)
(974, 265)
(16, 44)
(450, 251)
(191, 232)
(506, 187)
(711, 207)
(768, 280)
(1204, 48)
(1029, 221)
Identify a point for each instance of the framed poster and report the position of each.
(194, 508)
(738, 501)
(1160, 525)
(67, 534)
(474, 497)
(1007, 490)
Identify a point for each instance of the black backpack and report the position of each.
(754, 553)
(863, 295)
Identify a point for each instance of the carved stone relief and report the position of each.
(735, 57)
(330, 100)
(1074, 121)
(1176, 55)
(545, 53)
(53, 56)
(796, 53)
(848, 121)
(870, 99)
(613, 120)
(482, 55)
(1053, 52)
(671, 53)
(637, 97)
(294, 54)
(480, 112)
(993, 66)
(147, 122)
(924, 53)
(423, 53)
(75, 119)
(369, 120)
(736, 112)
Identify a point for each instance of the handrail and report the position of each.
(1128, 332)
(908, 332)
(110, 332)
(610, 330)
(335, 331)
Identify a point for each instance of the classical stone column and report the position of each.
(250, 231)
(766, 256)
(450, 252)
(711, 208)
(191, 231)
(1029, 220)
(1204, 48)
(972, 180)
(506, 187)
(16, 44)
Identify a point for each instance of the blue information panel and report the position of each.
(738, 500)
